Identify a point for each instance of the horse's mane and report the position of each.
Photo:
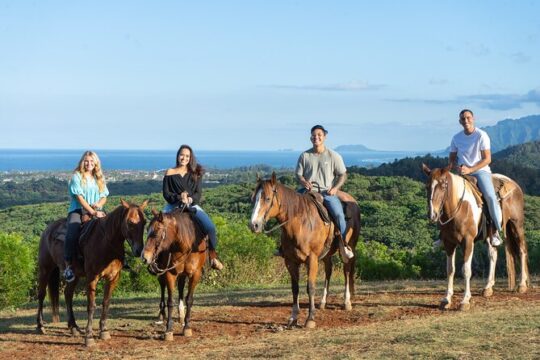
(185, 229)
(292, 201)
(113, 220)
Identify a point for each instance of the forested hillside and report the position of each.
(396, 237)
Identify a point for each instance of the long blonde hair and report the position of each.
(97, 173)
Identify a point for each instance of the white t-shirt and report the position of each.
(468, 147)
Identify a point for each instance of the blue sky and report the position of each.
(258, 74)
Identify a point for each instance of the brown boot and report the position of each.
(214, 262)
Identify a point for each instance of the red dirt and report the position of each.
(235, 321)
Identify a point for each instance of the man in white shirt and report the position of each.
(470, 154)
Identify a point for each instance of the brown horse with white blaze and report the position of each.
(103, 253)
(305, 238)
(175, 248)
(453, 205)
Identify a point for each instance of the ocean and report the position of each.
(150, 160)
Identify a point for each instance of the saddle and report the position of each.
(87, 225)
(503, 188)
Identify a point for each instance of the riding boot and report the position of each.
(214, 262)
(347, 252)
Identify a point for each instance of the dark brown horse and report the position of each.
(103, 252)
(175, 248)
(453, 205)
(305, 238)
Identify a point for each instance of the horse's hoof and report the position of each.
(105, 335)
(522, 289)
(168, 336)
(465, 307)
(487, 292)
(75, 331)
(322, 306)
(41, 330)
(187, 332)
(158, 322)
(292, 323)
(444, 305)
(310, 324)
(89, 342)
(347, 307)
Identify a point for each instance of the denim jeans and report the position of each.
(486, 187)
(335, 208)
(72, 236)
(203, 220)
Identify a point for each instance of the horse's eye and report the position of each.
(268, 199)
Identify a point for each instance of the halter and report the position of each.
(454, 213)
(274, 196)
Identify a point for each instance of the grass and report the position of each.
(396, 320)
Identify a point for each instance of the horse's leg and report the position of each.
(348, 272)
(170, 280)
(467, 272)
(327, 275)
(68, 295)
(313, 266)
(90, 308)
(492, 252)
(107, 293)
(181, 302)
(446, 302)
(294, 271)
(161, 315)
(43, 280)
(517, 235)
(193, 281)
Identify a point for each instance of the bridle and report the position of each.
(441, 208)
(274, 196)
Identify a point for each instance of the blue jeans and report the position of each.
(486, 187)
(203, 220)
(335, 208)
(72, 236)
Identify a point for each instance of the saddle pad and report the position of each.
(317, 199)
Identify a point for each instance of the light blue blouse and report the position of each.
(89, 191)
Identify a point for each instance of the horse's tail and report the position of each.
(514, 245)
(510, 265)
(54, 293)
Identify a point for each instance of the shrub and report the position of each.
(16, 270)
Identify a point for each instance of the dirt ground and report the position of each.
(232, 317)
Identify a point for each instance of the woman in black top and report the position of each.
(182, 186)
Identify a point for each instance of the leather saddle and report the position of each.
(318, 199)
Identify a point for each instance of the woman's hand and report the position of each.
(184, 197)
(99, 214)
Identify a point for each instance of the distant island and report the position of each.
(354, 148)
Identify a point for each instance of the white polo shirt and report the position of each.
(468, 147)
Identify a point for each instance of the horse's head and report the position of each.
(159, 236)
(133, 225)
(437, 190)
(265, 203)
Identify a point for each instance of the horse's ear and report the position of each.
(448, 167)
(124, 203)
(160, 216)
(274, 180)
(154, 212)
(144, 204)
(426, 169)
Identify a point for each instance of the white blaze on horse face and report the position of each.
(432, 214)
(257, 207)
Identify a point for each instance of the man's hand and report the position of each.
(464, 170)
(332, 191)
(306, 184)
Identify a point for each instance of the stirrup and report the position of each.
(216, 264)
(69, 275)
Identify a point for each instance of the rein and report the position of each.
(454, 213)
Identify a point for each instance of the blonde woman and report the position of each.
(88, 193)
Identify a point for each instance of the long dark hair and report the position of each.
(193, 167)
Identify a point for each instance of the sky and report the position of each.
(256, 75)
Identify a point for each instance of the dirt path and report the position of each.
(228, 318)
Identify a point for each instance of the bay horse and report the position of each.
(305, 239)
(175, 250)
(453, 205)
(103, 253)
